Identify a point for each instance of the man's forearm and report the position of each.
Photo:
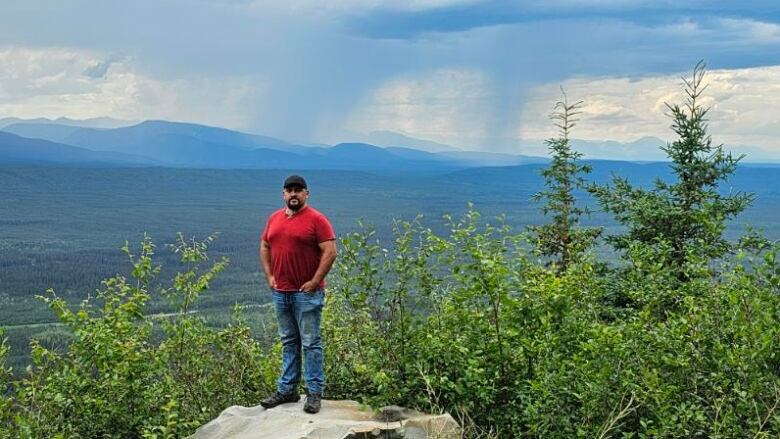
(265, 260)
(326, 262)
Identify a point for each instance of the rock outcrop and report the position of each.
(336, 420)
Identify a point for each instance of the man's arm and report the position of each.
(265, 262)
(328, 256)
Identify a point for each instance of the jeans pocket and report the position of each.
(314, 299)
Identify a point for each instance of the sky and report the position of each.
(479, 75)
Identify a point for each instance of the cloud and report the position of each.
(751, 31)
(54, 82)
(99, 68)
(744, 104)
(445, 105)
(357, 5)
(729, 32)
(460, 107)
(410, 23)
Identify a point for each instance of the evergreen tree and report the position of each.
(682, 221)
(562, 239)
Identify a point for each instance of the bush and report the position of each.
(468, 323)
(114, 381)
(5, 376)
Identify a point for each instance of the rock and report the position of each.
(394, 413)
(336, 420)
(434, 427)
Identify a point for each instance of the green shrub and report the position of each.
(523, 350)
(5, 377)
(114, 381)
(469, 323)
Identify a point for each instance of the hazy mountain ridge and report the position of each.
(646, 148)
(179, 144)
(95, 122)
(387, 139)
(192, 145)
(17, 150)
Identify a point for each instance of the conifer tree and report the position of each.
(562, 239)
(683, 220)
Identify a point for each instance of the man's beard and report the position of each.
(294, 207)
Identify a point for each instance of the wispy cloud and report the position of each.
(383, 22)
(99, 68)
(54, 82)
(447, 105)
(751, 31)
(368, 5)
(744, 107)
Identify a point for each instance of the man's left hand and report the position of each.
(310, 286)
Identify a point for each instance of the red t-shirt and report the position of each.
(295, 250)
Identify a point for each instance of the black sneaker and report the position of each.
(278, 398)
(313, 402)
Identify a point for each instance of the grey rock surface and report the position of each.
(394, 413)
(336, 420)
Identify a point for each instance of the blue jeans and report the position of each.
(298, 315)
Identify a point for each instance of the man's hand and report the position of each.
(271, 282)
(310, 286)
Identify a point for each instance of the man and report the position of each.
(297, 250)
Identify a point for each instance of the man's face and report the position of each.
(295, 197)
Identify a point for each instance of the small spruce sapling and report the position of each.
(563, 239)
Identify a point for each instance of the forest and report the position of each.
(517, 333)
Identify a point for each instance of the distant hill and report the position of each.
(46, 131)
(479, 158)
(20, 150)
(643, 149)
(185, 145)
(357, 156)
(392, 139)
(409, 146)
(148, 135)
(96, 122)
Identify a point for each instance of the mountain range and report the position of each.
(110, 142)
(176, 144)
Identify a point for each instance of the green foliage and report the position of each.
(523, 350)
(562, 238)
(5, 376)
(388, 336)
(465, 322)
(116, 380)
(683, 221)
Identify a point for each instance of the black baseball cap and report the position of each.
(295, 180)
